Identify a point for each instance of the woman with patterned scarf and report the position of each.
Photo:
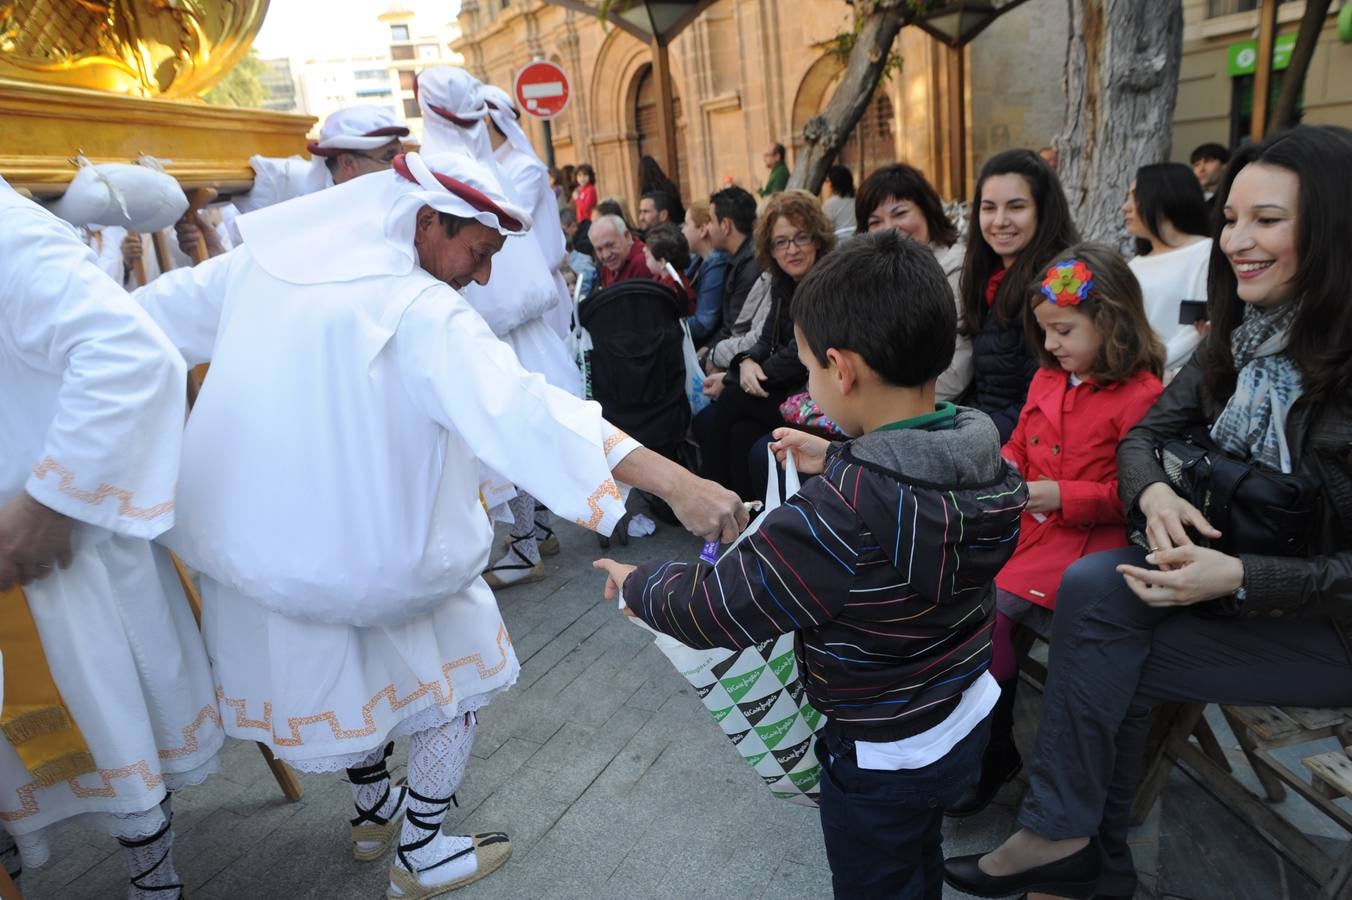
(1271, 384)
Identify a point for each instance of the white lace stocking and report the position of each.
(366, 796)
(150, 862)
(436, 763)
(523, 528)
(542, 520)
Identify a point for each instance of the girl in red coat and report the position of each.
(1100, 371)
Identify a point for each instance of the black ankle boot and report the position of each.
(1001, 761)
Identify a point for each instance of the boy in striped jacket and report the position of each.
(883, 566)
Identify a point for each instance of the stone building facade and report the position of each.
(749, 73)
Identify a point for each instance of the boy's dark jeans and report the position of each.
(883, 829)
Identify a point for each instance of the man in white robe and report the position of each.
(518, 162)
(92, 423)
(329, 490)
(514, 303)
(353, 141)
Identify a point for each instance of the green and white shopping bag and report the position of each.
(756, 695)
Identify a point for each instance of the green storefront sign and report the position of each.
(1243, 57)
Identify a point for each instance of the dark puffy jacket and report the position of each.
(776, 349)
(1002, 368)
(1320, 439)
(883, 565)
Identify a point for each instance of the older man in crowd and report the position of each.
(618, 251)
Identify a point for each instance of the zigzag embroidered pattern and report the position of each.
(607, 489)
(66, 485)
(329, 717)
(28, 803)
(619, 437)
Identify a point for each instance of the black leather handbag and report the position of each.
(1255, 510)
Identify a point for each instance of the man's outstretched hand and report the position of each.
(709, 510)
(34, 540)
(706, 509)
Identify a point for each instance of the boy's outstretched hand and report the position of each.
(616, 573)
(809, 451)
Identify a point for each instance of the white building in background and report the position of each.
(324, 86)
(402, 44)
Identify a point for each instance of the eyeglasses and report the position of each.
(799, 240)
(386, 158)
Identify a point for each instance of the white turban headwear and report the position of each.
(364, 227)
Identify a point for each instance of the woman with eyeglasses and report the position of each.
(791, 235)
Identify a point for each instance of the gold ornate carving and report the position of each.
(149, 48)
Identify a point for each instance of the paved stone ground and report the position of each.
(613, 782)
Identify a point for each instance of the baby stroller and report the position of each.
(638, 369)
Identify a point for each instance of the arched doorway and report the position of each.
(873, 140)
(872, 143)
(649, 132)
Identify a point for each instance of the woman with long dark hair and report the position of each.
(1023, 221)
(1165, 213)
(1190, 617)
(900, 197)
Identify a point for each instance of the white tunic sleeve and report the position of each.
(110, 453)
(548, 442)
(186, 303)
(545, 227)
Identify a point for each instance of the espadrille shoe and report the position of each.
(513, 568)
(491, 850)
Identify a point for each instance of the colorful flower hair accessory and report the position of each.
(1068, 283)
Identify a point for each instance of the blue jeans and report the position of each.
(883, 830)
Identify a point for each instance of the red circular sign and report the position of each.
(541, 90)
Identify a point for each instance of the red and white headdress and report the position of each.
(364, 227)
(357, 128)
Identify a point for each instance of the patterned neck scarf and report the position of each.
(1253, 423)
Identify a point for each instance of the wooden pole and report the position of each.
(957, 124)
(161, 245)
(1262, 76)
(8, 889)
(666, 110)
(198, 199)
(139, 268)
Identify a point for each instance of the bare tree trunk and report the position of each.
(827, 133)
(1311, 24)
(1121, 85)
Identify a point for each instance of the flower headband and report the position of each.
(1068, 283)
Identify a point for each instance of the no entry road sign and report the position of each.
(541, 90)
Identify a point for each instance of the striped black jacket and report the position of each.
(883, 565)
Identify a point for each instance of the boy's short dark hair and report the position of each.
(737, 204)
(885, 297)
(1218, 152)
(665, 242)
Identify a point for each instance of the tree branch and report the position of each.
(1311, 24)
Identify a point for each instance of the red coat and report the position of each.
(1070, 435)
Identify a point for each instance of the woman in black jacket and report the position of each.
(791, 234)
(1021, 221)
(1273, 384)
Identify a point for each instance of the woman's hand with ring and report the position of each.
(1167, 519)
(1186, 575)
